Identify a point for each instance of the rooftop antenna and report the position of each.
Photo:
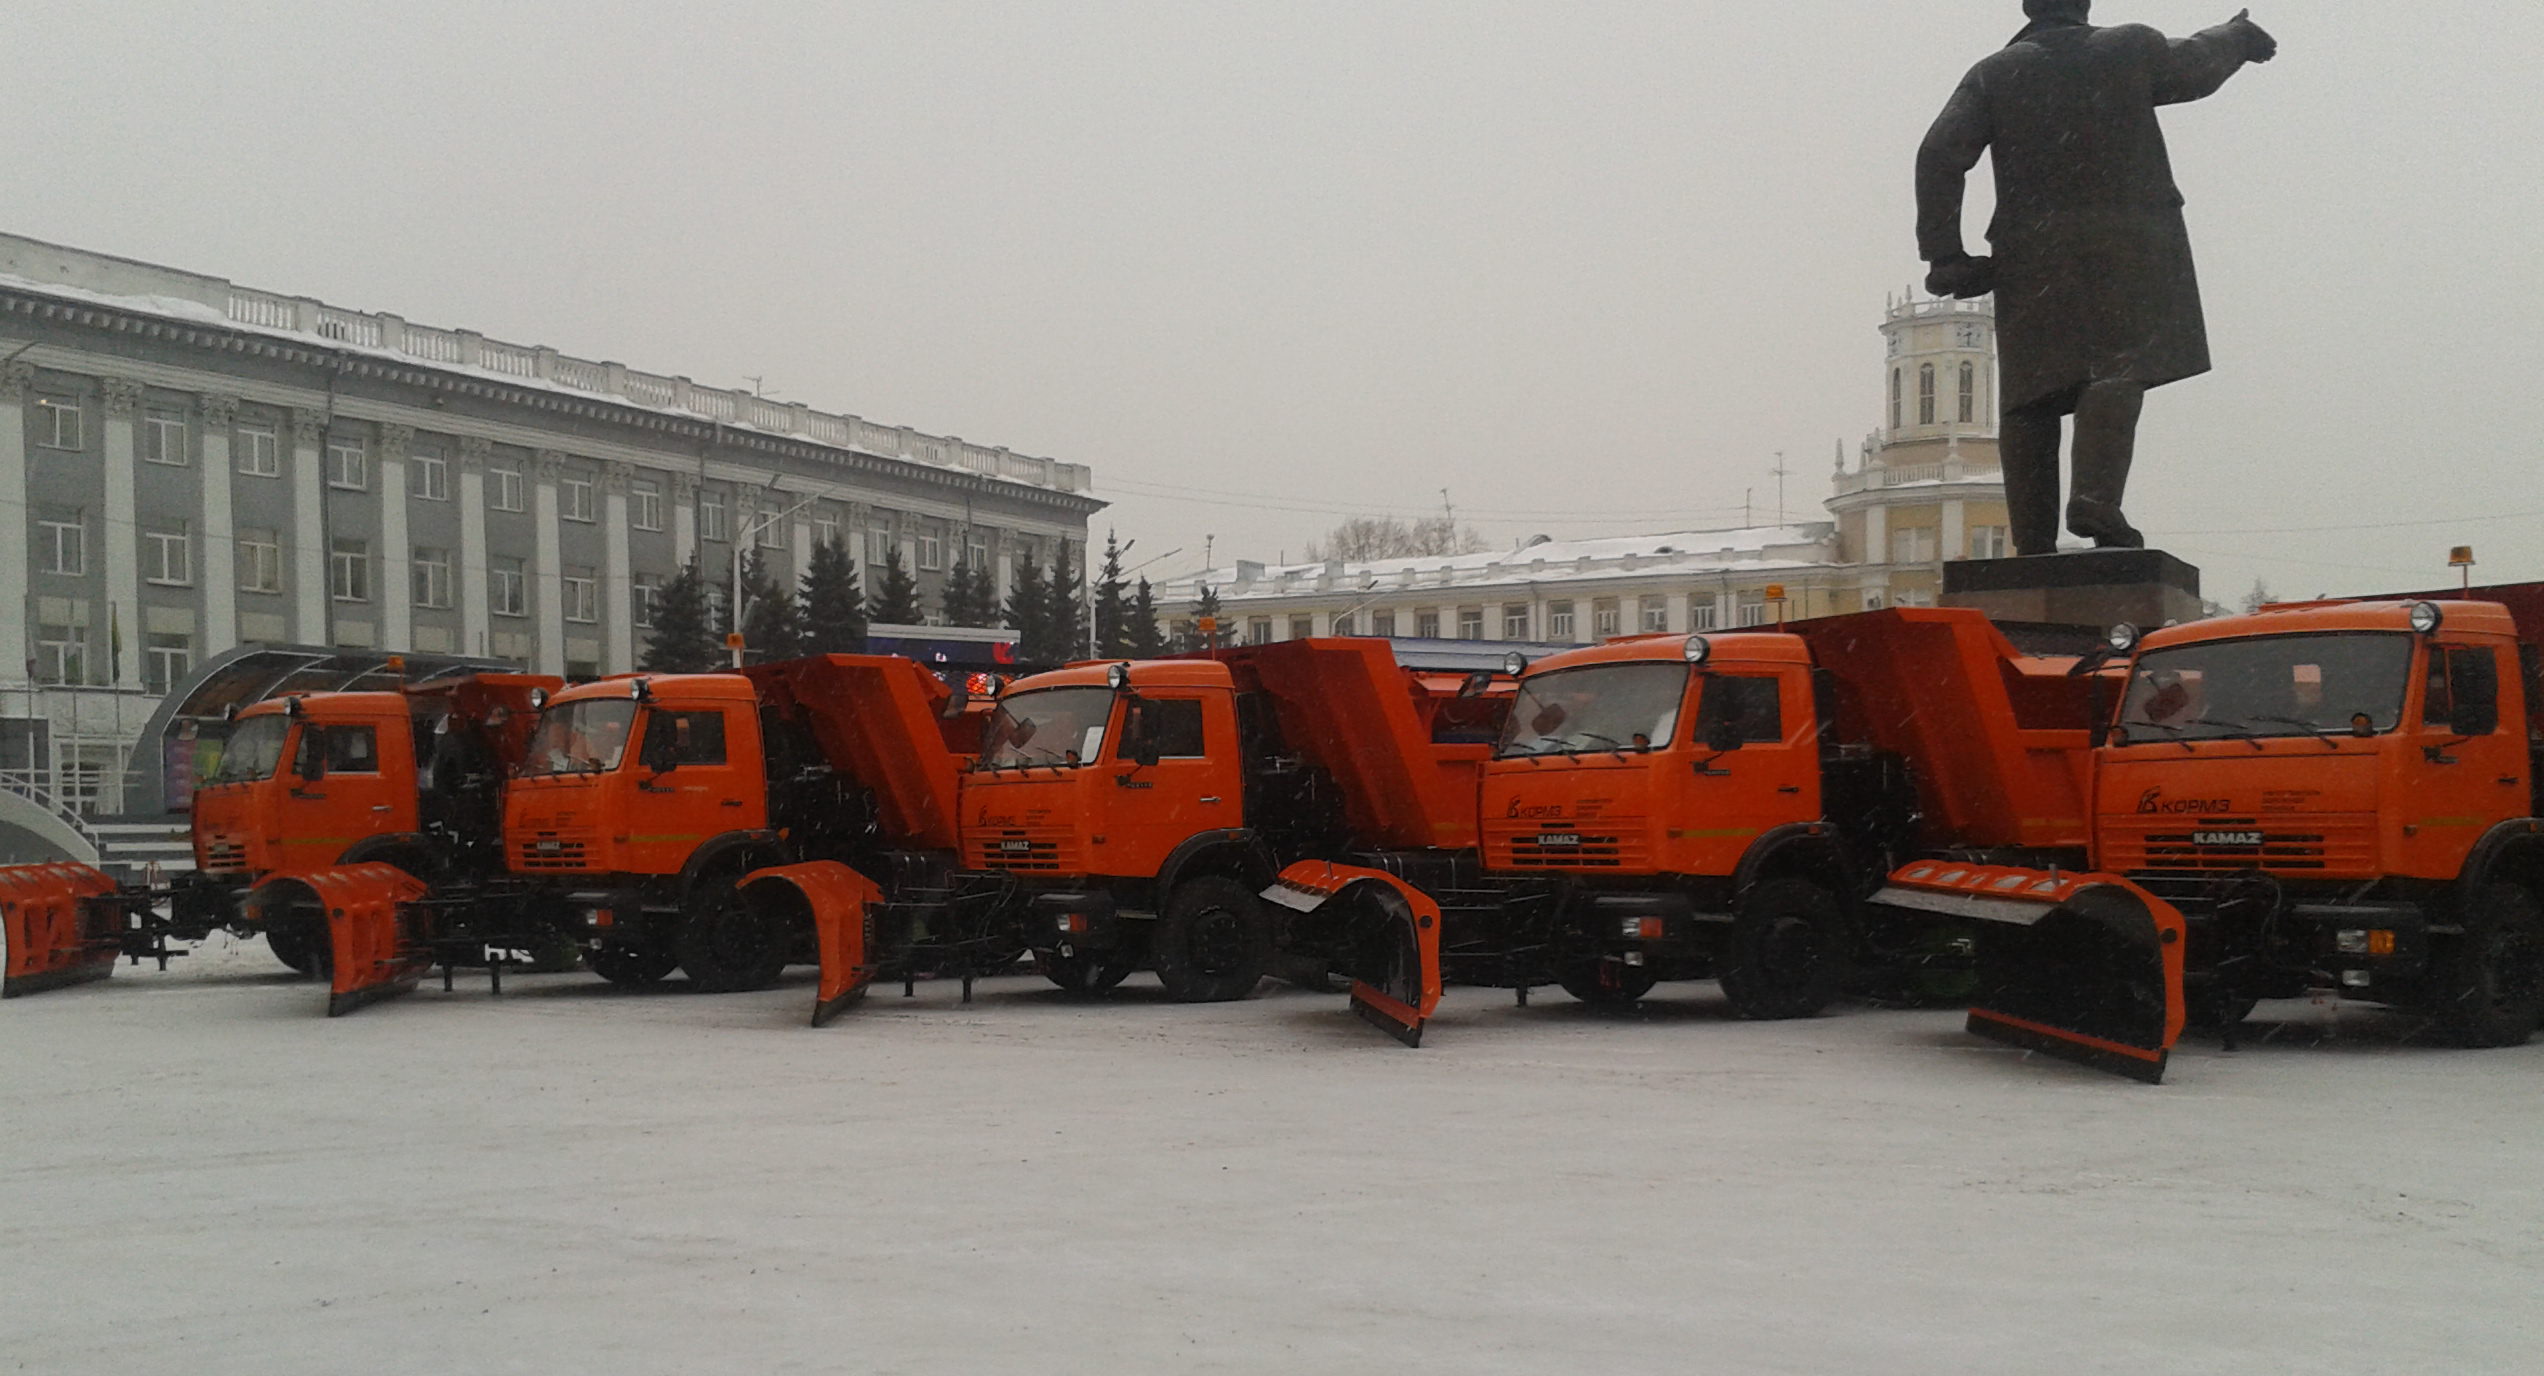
(1781, 473)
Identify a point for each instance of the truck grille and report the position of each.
(1038, 850)
(2318, 845)
(224, 853)
(1610, 848)
(552, 850)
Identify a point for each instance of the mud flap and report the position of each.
(2085, 967)
(57, 934)
(373, 949)
(837, 902)
(1390, 940)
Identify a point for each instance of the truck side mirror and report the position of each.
(1138, 746)
(660, 754)
(312, 765)
(1722, 737)
(2475, 677)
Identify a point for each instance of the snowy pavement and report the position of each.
(199, 1174)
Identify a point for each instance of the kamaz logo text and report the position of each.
(2153, 800)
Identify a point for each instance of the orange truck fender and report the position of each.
(1396, 940)
(838, 902)
(373, 952)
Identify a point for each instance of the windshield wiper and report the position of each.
(1615, 747)
(2178, 732)
(2235, 730)
(2306, 726)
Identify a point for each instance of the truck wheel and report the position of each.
(1213, 942)
(297, 942)
(1785, 955)
(1083, 974)
(2490, 987)
(725, 946)
(633, 967)
(1606, 981)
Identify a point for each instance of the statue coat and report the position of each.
(2094, 279)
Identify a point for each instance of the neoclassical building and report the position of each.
(1929, 486)
(199, 465)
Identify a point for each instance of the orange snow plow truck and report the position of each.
(2342, 796)
(306, 784)
(1784, 811)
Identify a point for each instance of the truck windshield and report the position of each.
(1049, 726)
(1600, 707)
(2272, 685)
(254, 748)
(586, 737)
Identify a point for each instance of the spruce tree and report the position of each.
(834, 606)
(772, 622)
(896, 597)
(1112, 630)
(1028, 612)
(683, 641)
(1208, 606)
(1066, 626)
(1147, 638)
(958, 594)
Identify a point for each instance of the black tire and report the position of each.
(1085, 974)
(633, 967)
(1786, 953)
(1606, 981)
(2215, 1010)
(725, 947)
(298, 940)
(2490, 981)
(1213, 942)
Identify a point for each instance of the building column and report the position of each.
(309, 528)
(1679, 619)
(618, 623)
(684, 521)
(1726, 610)
(1004, 557)
(473, 454)
(123, 534)
(1954, 542)
(217, 566)
(17, 378)
(802, 548)
(397, 580)
(547, 588)
(1877, 534)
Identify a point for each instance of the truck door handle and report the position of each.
(379, 807)
(2509, 780)
(1790, 788)
(305, 793)
(1214, 798)
(733, 802)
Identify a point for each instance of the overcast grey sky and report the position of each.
(1266, 265)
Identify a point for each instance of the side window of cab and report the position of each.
(2463, 691)
(1748, 708)
(1170, 726)
(336, 750)
(684, 740)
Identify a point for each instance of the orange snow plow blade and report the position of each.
(2085, 967)
(1389, 935)
(371, 953)
(835, 901)
(56, 936)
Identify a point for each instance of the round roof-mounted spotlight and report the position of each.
(538, 699)
(2427, 617)
(2121, 638)
(1699, 649)
(1514, 664)
(1119, 676)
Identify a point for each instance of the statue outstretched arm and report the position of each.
(2194, 67)
(1952, 147)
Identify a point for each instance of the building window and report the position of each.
(644, 505)
(507, 491)
(1925, 394)
(1470, 623)
(87, 777)
(1753, 607)
(167, 557)
(349, 570)
(1302, 627)
(1987, 542)
(1703, 612)
(57, 423)
(582, 594)
(260, 452)
(879, 546)
(1894, 399)
(1913, 545)
(771, 531)
(574, 497)
(1383, 624)
(1607, 618)
(61, 654)
(61, 545)
(1916, 597)
(1515, 621)
(1873, 601)
(644, 588)
(1655, 611)
(931, 552)
(979, 555)
(348, 465)
(163, 438)
(713, 593)
(1426, 625)
(166, 660)
(1969, 392)
(1559, 620)
(428, 475)
(260, 561)
(507, 588)
(1346, 623)
(1259, 631)
(432, 577)
(1966, 335)
(825, 526)
(712, 523)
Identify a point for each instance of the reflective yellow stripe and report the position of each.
(640, 840)
(1728, 833)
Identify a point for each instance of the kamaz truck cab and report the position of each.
(2339, 795)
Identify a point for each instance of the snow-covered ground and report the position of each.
(199, 1174)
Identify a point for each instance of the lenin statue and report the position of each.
(2095, 297)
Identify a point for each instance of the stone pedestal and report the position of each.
(2089, 589)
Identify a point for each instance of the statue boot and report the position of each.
(2106, 445)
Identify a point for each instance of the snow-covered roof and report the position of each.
(1748, 549)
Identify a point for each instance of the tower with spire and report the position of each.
(1928, 487)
